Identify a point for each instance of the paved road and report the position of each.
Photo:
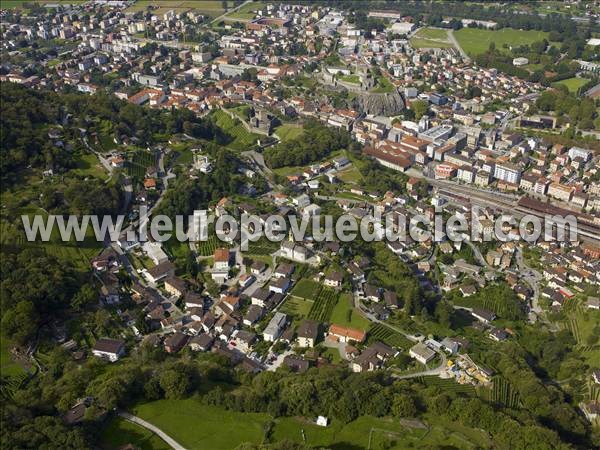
(436, 371)
(457, 45)
(141, 422)
(222, 16)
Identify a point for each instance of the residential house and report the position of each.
(109, 349)
(307, 333)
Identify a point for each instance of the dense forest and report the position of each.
(314, 144)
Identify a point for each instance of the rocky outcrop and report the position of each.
(388, 104)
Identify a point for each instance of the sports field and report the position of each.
(572, 84)
(475, 41)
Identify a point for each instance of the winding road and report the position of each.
(429, 372)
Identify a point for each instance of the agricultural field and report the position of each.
(119, 432)
(262, 247)
(501, 392)
(475, 41)
(447, 385)
(581, 323)
(387, 335)
(323, 306)
(502, 308)
(572, 84)
(306, 289)
(287, 132)
(138, 162)
(431, 38)
(242, 139)
(10, 4)
(345, 314)
(208, 247)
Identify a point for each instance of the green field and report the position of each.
(7, 366)
(78, 253)
(119, 432)
(287, 132)
(350, 79)
(475, 41)
(341, 314)
(195, 425)
(208, 247)
(430, 38)
(19, 3)
(296, 307)
(198, 426)
(383, 86)
(211, 8)
(89, 166)
(572, 84)
(241, 138)
(246, 12)
(306, 289)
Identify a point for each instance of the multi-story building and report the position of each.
(507, 172)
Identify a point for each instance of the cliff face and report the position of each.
(388, 104)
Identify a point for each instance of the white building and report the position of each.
(275, 327)
(421, 353)
(507, 172)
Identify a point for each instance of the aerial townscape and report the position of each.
(483, 111)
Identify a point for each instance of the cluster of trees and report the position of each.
(314, 144)
(35, 289)
(150, 374)
(580, 112)
(28, 115)
(77, 196)
(189, 194)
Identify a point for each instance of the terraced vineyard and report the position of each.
(137, 165)
(323, 306)
(447, 385)
(501, 392)
(502, 309)
(208, 247)
(387, 335)
(262, 247)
